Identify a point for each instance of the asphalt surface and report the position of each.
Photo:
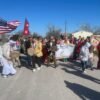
(66, 82)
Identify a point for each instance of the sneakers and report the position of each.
(84, 71)
(34, 70)
(38, 68)
(4, 76)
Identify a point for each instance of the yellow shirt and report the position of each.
(38, 49)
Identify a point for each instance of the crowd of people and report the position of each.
(38, 50)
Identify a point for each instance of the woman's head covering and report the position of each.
(12, 43)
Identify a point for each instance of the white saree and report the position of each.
(7, 65)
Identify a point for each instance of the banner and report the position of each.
(65, 51)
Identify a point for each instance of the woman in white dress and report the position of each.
(5, 61)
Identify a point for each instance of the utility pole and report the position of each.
(65, 27)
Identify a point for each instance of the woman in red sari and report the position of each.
(98, 48)
(79, 44)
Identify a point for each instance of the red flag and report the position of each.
(26, 28)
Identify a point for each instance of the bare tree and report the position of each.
(86, 27)
(20, 32)
(97, 31)
(35, 34)
(53, 31)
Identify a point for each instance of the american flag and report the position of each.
(3, 22)
(7, 27)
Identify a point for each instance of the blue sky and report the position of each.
(42, 13)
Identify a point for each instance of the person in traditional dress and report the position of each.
(78, 46)
(7, 64)
(98, 48)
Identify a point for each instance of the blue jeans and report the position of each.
(26, 60)
(84, 65)
(30, 60)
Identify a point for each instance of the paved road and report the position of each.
(66, 82)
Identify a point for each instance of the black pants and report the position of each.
(29, 60)
(36, 60)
